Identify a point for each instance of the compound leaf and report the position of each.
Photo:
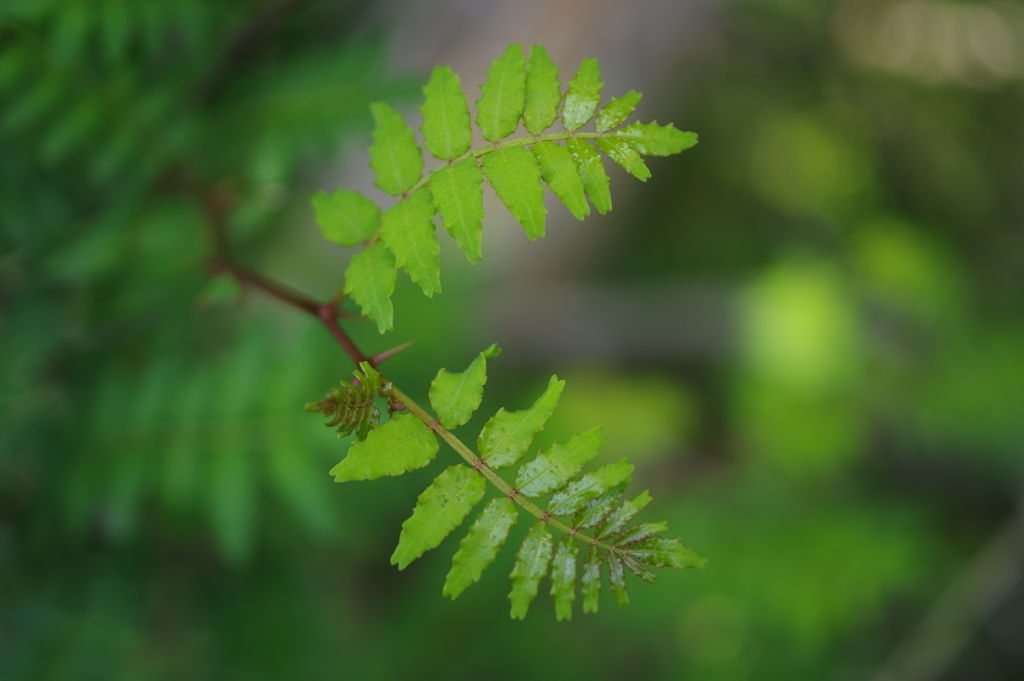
(623, 514)
(559, 171)
(583, 97)
(577, 493)
(543, 91)
(402, 444)
(531, 566)
(553, 468)
(620, 151)
(370, 281)
(590, 580)
(395, 157)
(345, 217)
(439, 510)
(617, 111)
(409, 232)
(446, 129)
(651, 139)
(591, 170)
(480, 546)
(515, 176)
(508, 434)
(502, 97)
(455, 396)
(563, 577)
(459, 198)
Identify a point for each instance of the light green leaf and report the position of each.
(459, 198)
(395, 157)
(576, 494)
(665, 552)
(502, 97)
(345, 217)
(446, 129)
(553, 468)
(480, 546)
(402, 444)
(439, 510)
(583, 97)
(591, 169)
(622, 153)
(543, 91)
(515, 176)
(409, 233)
(559, 170)
(598, 508)
(639, 533)
(623, 514)
(651, 139)
(563, 577)
(617, 579)
(531, 565)
(370, 281)
(590, 580)
(617, 111)
(506, 437)
(455, 396)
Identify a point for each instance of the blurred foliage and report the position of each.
(165, 510)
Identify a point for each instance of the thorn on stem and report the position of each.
(387, 354)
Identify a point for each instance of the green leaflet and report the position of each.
(583, 97)
(543, 91)
(446, 129)
(622, 515)
(639, 533)
(665, 552)
(531, 565)
(402, 444)
(590, 579)
(455, 396)
(459, 198)
(651, 139)
(515, 176)
(480, 546)
(638, 568)
(508, 434)
(591, 169)
(345, 217)
(623, 154)
(559, 171)
(617, 111)
(502, 97)
(439, 510)
(553, 468)
(409, 232)
(395, 157)
(563, 577)
(370, 281)
(617, 579)
(599, 508)
(577, 493)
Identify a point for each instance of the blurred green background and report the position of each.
(808, 332)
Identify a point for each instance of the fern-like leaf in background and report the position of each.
(588, 508)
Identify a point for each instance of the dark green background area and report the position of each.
(848, 448)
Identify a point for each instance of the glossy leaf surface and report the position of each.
(590, 579)
(577, 493)
(531, 565)
(651, 139)
(563, 577)
(508, 434)
(439, 510)
(623, 514)
(617, 111)
(620, 151)
(583, 97)
(479, 547)
(560, 173)
(553, 468)
(402, 444)
(591, 170)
